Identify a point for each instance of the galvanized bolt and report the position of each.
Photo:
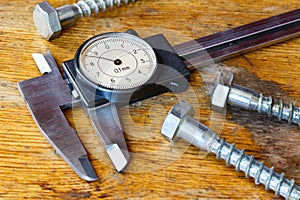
(180, 124)
(245, 98)
(50, 21)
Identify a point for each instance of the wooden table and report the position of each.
(30, 169)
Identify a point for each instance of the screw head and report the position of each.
(221, 91)
(174, 119)
(47, 21)
(219, 97)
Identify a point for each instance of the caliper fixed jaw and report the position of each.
(45, 96)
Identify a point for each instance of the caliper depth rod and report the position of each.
(233, 42)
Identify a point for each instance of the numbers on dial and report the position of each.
(117, 61)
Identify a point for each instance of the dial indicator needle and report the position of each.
(107, 59)
(116, 61)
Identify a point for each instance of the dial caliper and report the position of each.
(115, 69)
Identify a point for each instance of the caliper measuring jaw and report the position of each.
(46, 96)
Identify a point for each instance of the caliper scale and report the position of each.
(115, 69)
(117, 61)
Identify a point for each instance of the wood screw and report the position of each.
(180, 124)
(248, 99)
(50, 21)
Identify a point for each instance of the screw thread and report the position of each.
(280, 110)
(88, 7)
(257, 170)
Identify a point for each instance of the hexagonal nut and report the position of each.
(173, 120)
(219, 97)
(47, 21)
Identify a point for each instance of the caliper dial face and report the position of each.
(117, 61)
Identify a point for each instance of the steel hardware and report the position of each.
(245, 98)
(50, 21)
(179, 123)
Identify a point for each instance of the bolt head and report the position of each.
(174, 118)
(47, 21)
(221, 91)
(219, 97)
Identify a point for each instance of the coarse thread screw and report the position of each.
(245, 98)
(50, 21)
(88, 7)
(257, 170)
(180, 124)
(266, 105)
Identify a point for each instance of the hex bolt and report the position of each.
(245, 98)
(50, 21)
(180, 124)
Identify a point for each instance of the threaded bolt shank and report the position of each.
(248, 99)
(87, 7)
(257, 170)
(280, 110)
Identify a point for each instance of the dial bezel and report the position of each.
(137, 40)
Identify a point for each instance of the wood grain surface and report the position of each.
(29, 167)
